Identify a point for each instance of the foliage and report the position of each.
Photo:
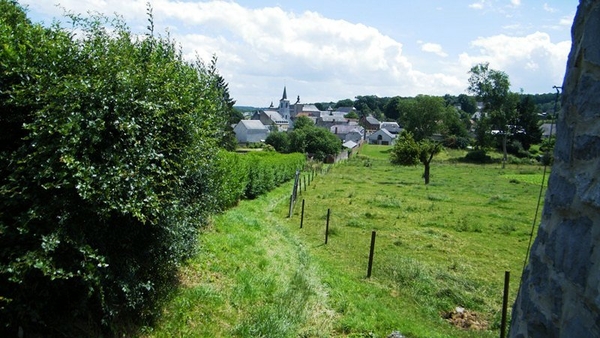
(420, 115)
(526, 128)
(109, 171)
(493, 88)
(478, 156)
(351, 115)
(279, 140)
(268, 170)
(318, 142)
(407, 152)
(303, 122)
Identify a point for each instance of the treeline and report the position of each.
(384, 108)
(110, 162)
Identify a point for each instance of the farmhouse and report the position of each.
(271, 118)
(382, 136)
(250, 131)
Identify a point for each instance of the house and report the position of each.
(382, 136)
(347, 132)
(370, 123)
(250, 131)
(271, 118)
(329, 119)
(392, 127)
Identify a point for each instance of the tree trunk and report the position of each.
(426, 173)
(505, 157)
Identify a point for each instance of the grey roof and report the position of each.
(349, 144)
(372, 120)
(382, 131)
(310, 107)
(345, 109)
(345, 129)
(253, 124)
(275, 116)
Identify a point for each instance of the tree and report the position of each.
(408, 152)
(391, 110)
(108, 176)
(279, 140)
(527, 126)
(468, 104)
(344, 103)
(314, 140)
(421, 115)
(492, 87)
(303, 122)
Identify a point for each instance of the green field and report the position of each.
(438, 247)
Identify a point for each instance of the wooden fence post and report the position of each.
(504, 304)
(327, 225)
(302, 215)
(371, 253)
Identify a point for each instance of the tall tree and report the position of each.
(421, 115)
(493, 88)
(527, 128)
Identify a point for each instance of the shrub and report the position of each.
(108, 174)
(478, 156)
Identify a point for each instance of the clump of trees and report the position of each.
(508, 117)
(305, 138)
(109, 164)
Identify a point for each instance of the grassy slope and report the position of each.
(438, 247)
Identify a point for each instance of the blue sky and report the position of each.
(330, 50)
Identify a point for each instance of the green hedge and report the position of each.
(268, 170)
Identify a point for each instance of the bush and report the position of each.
(108, 174)
(478, 156)
(456, 142)
(269, 170)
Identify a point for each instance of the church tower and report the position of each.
(284, 106)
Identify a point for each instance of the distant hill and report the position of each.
(244, 108)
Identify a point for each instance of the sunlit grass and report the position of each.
(437, 247)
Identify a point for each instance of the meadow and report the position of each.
(438, 247)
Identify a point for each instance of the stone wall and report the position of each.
(560, 291)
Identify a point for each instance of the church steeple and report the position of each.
(284, 105)
(284, 94)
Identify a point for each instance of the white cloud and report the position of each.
(548, 8)
(477, 5)
(515, 3)
(527, 60)
(323, 59)
(433, 48)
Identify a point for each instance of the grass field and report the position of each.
(438, 247)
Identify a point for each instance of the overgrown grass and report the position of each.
(437, 247)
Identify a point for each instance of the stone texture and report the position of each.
(560, 290)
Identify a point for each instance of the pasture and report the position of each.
(438, 247)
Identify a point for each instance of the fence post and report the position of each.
(327, 225)
(504, 304)
(291, 205)
(302, 215)
(371, 253)
(304, 183)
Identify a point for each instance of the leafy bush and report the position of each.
(269, 170)
(108, 172)
(478, 156)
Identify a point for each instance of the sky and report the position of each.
(329, 50)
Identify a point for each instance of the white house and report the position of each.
(250, 131)
(271, 118)
(382, 136)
